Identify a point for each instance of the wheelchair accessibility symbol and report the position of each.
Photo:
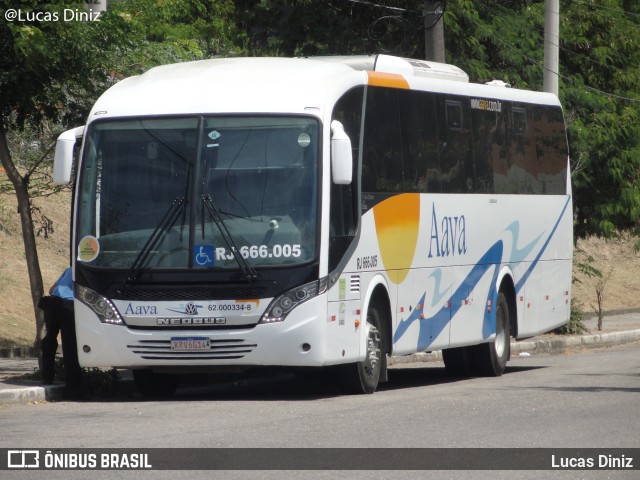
(203, 256)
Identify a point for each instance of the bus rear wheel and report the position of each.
(364, 376)
(491, 358)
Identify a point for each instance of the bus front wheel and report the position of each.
(363, 377)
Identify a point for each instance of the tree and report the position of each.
(44, 65)
(599, 85)
(601, 62)
(53, 70)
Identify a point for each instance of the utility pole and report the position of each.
(434, 32)
(96, 5)
(551, 46)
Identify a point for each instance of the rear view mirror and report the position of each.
(63, 158)
(341, 155)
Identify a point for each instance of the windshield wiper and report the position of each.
(158, 233)
(248, 271)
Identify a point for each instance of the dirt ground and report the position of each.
(17, 322)
(618, 260)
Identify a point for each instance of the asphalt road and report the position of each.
(584, 399)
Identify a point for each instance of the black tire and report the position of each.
(456, 361)
(155, 385)
(364, 376)
(490, 359)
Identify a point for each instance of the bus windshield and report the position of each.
(199, 192)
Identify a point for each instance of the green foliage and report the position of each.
(169, 31)
(302, 27)
(575, 325)
(96, 382)
(599, 88)
(601, 60)
(101, 383)
(56, 70)
(584, 265)
(503, 39)
(47, 68)
(32, 149)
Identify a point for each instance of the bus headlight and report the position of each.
(103, 308)
(283, 304)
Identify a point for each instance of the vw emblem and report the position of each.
(191, 309)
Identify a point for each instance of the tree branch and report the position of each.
(37, 164)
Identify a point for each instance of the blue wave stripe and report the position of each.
(526, 275)
(492, 258)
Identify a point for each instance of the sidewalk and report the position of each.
(619, 327)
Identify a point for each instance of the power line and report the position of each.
(538, 64)
(385, 7)
(576, 54)
(611, 9)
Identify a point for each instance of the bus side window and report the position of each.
(551, 150)
(456, 157)
(453, 113)
(420, 141)
(489, 150)
(523, 171)
(382, 168)
(344, 212)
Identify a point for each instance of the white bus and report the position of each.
(316, 213)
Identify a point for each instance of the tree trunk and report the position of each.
(21, 187)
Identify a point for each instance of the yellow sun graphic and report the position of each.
(397, 220)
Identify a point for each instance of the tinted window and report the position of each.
(489, 145)
(344, 212)
(522, 173)
(551, 150)
(382, 169)
(456, 160)
(429, 142)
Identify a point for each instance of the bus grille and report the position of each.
(159, 293)
(218, 350)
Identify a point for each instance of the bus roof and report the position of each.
(222, 85)
(407, 67)
(280, 85)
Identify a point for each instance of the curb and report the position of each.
(18, 352)
(560, 345)
(26, 394)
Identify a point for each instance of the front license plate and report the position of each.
(189, 344)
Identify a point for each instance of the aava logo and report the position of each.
(141, 310)
(188, 309)
(451, 239)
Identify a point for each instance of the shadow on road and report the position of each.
(269, 386)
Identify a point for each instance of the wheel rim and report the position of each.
(500, 342)
(371, 363)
